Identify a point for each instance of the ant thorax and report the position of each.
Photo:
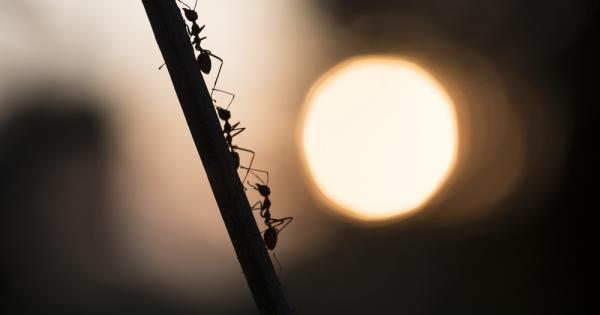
(195, 29)
(267, 216)
(267, 203)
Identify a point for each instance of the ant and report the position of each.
(203, 59)
(231, 131)
(273, 224)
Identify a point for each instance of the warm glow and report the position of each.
(379, 137)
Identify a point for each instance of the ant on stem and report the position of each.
(204, 63)
(203, 59)
(274, 225)
(231, 131)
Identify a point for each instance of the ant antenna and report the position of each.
(260, 179)
(196, 3)
(218, 73)
(249, 183)
(225, 92)
(164, 63)
(251, 170)
(185, 4)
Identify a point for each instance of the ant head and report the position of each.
(190, 14)
(263, 190)
(224, 114)
(270, 238)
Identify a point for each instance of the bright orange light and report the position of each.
(379, 137)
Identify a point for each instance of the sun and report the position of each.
(378, 137)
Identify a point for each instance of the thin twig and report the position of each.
(194, 98)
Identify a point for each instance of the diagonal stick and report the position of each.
(194, 98)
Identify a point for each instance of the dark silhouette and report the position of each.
(270, 234)
(203, 59)
(198, 108)
(231, 131)
(204, 64)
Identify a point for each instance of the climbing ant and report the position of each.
(273, 224)
(204, 62)
(231, 131)
(191, 15)
(203, 59)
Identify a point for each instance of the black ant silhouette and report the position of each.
(203, 59)
(231, 131)
(191, 15)
(274, 225)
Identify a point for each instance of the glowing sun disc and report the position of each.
(379, 137)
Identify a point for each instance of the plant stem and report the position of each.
(174, 43)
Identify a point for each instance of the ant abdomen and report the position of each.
(204, 62)
(236, 159)
(267, 205)
(195, 29)
(270, 238)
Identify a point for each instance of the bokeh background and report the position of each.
(106, 208)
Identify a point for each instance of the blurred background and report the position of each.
(106, 207)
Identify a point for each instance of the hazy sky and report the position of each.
(492, 236)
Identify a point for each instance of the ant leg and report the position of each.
(277, 222)
(258, 203)
(251, 161)
(238, 130)
(230, 94)
(218, 73)
(285, 221)
(185, 4)
(164, 63)
(254, 170)
(252, 185)
(259, 206)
